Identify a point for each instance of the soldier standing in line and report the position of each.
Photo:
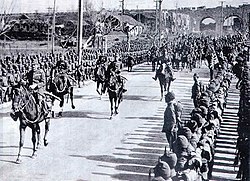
(172, 118)
(197, 89)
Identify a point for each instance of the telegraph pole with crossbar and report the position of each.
(158, 20)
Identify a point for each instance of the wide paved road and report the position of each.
(86, 145)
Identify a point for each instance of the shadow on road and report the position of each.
(144, 118)
(223, 179)
(134, 163)
(141, 98)
(86, 114)
(123, 176)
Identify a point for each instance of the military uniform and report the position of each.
(197, 89)
(36, 78)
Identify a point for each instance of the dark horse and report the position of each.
(100, 79)
(115, 90)
(165, 78)
(29, 114)
(61, 85)
(130, 63)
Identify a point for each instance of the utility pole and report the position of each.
(122, 5)
(139, 13)
(160, 1)
(158, 20)
(222, 19)
(139, 19)
(156, 16)
(79, 31)
(49, 27)
(54, 28)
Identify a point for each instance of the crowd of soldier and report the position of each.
(190, 51)
(192, 143)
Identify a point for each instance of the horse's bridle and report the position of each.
(20, 108)
(60, 91)
(114, 90)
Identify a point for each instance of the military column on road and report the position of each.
(191, 141)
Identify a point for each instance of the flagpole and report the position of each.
(79, 31)
(53, 28)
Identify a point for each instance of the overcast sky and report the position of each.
(13, 6)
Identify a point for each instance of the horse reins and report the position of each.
(60, 91)
(22, 107)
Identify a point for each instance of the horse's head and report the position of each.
(113, 80)
(60, 82)
(19, 97)
(101, 72)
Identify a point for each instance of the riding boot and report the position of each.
(44, 108)
(14, 116)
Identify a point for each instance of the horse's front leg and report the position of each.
(21, 142)
(61, 106)
(38, 133)
(97, 87)
(34, 129)
(47, 124)
(111, 106)
(71, 98)
(52, 105)
(162, 89)
(168, 84)
(116, 105)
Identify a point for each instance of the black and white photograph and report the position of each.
(124, 90)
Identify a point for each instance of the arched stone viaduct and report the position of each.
(219, 14)
(197, 15)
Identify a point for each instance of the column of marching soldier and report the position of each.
(13, 68)
(192, 143)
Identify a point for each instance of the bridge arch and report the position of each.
(232, 23)
(207, 24)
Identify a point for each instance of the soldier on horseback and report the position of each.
(165, 77)
(115, 87)
(60, 68)
(113, 70)
(35, 81)
(99, 74)
(61, 84)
